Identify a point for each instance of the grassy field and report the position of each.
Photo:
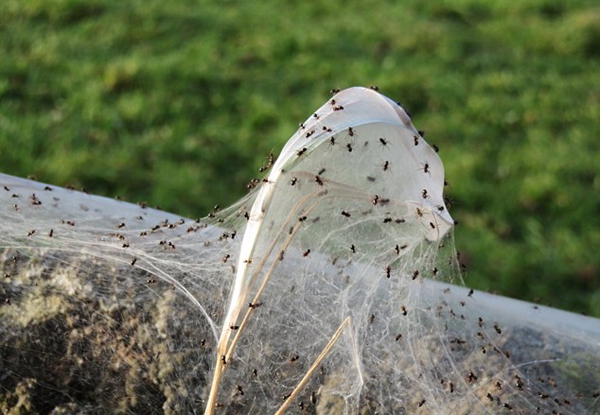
(178, 103)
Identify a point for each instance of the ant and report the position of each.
(398, 248)
(426, 168)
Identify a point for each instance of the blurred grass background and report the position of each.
(178, 104)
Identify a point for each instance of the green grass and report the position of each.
(178, 103)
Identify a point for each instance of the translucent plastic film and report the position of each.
(333, 288)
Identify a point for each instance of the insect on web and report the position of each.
(332, 288)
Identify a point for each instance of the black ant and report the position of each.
(33, 199)
(397, 248)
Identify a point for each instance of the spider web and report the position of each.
(332, 288)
